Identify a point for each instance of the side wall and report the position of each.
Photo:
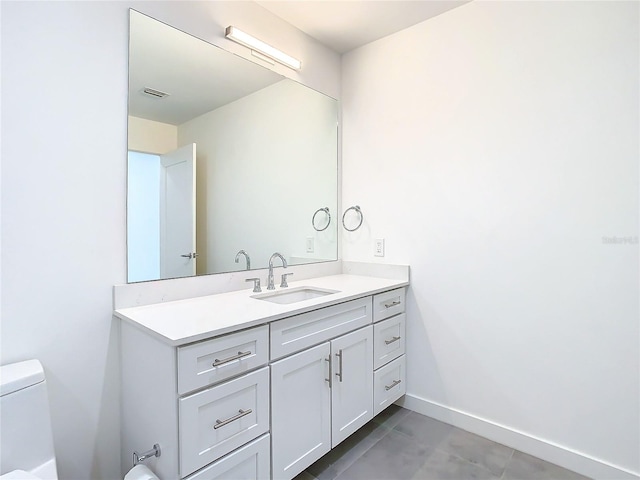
(64, 149)
(495, 148)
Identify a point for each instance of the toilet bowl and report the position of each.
(18, 475)
(26, 439)
(140, 472)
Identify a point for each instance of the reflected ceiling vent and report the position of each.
(154, 93)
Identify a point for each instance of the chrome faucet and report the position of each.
(270, 285)
(246, 256)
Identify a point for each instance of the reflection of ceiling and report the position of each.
(166, 59)
(199, 77)
(343, 25)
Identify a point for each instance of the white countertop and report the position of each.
(185, 321)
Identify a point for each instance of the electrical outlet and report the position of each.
(310, 246)
(378, 247)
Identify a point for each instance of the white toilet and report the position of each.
(26, 439)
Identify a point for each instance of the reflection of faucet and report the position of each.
(270, 285)
(246, 256)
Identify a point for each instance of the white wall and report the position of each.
(64, 147)
(493, 147)
(268, 134)
(150, 136)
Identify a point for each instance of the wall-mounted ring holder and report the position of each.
(313, 219)
(356, 208)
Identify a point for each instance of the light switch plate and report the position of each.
(310, 246)
(378, 247)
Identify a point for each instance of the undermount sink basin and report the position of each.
(293, 295)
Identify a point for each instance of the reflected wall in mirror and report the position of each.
(233, 157)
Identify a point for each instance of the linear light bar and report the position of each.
(238, 36)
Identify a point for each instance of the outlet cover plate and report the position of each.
(378, 247)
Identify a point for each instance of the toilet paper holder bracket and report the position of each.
(141, 457)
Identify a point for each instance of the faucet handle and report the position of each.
(256, 284)
(283, 281)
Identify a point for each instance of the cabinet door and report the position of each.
(300, 411)
(352, 383)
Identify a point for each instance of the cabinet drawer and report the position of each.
(212, 361)
(388, 340)
(389, 384)
(302, 331)
(251, 462)
(388, 304)
(217, 420)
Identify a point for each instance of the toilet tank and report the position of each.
(26, 439)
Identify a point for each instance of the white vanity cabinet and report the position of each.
(263, 402)
(204, 403)
(320, 396)
(323, 394)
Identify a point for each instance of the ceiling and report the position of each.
(343, 25)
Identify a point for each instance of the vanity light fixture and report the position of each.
(238, 36)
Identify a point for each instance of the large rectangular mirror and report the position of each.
(224, 156)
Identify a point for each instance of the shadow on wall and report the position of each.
(106, 450)
(102, 457)
(422, 370)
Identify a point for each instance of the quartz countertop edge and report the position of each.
(190, 320)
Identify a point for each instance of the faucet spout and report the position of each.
(270, 283)
(246, 256)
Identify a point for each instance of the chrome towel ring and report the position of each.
(313, 219)
(359, 212)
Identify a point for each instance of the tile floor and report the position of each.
(400, 444)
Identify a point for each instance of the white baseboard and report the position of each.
(556, 454)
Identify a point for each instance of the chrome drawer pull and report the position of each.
(395, 382)
(392, 304)
(217, 362)
(339, 374)
(222, 423)
(393, 339)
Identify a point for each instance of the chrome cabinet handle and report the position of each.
(393, 339)
(392, 304)
(241, 413)
(190, 255)
(339, 374)
(217, 362)
(328, 360)
(395, 382)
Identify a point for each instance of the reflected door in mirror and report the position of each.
(161, 215)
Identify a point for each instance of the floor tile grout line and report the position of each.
(447, 452)
(504, 471)
(386, 431)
